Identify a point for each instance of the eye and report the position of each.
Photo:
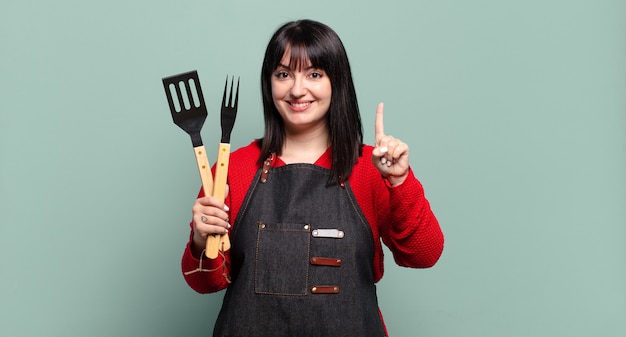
(316, 74)
(281, 74)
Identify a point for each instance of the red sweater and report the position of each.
(400, 216)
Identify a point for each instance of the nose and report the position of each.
(298, 87)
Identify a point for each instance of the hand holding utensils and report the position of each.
(186, 102)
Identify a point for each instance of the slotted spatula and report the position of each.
(188, 109)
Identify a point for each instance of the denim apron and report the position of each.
(301, 260)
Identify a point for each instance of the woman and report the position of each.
(309, 205)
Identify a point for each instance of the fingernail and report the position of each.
(383, 150)
(226, 208)
(388, 163)
(383, 160)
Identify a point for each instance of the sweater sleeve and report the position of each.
(408, 226)
(205, 275)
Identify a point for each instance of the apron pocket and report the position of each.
(282, 259)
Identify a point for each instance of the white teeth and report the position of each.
(300, 105)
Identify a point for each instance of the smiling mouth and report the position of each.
(299, 104)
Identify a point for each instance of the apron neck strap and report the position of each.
(267, 164)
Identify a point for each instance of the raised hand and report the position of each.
(390, 155)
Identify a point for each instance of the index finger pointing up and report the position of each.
(380, 129)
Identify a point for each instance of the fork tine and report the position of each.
(236, 94)
(230, 103)
(230, 98)
(225, 89)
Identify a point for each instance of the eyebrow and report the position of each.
(280, 65)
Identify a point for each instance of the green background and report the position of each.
(515, 112)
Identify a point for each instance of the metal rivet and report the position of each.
(306, 226)
(314, 289)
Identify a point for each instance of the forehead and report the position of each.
(295, 58)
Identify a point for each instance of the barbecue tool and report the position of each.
(189, 112)
(228, 115)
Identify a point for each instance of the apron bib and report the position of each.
(301, 260)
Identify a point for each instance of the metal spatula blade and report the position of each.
(184, 96)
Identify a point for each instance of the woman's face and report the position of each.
(301, 96)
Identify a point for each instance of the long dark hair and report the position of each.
(313, 41)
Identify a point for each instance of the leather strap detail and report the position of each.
(267, 165)
(325, 289)
(326, 261)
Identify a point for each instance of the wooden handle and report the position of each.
(221, 171)
(219, 186)
(204, 168)
(213, 241)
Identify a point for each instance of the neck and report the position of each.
(305, 148)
